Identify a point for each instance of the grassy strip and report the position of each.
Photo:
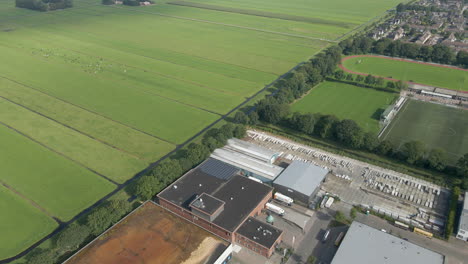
(449, 227)
(18, 212)
(112, 163)
(261, 13)
(57, 184)
(333, 147)
(346, 101)
(118, 135)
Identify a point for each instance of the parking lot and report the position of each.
(408, 199)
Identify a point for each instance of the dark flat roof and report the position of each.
(207, 204)
(241, 195)
(193, 183)
(260, 232)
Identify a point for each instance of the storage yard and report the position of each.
(402, 197)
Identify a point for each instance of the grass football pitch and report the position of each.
(431, 75)
(437, 126)
(91, 95)
(345, 101)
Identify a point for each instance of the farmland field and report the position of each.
(345, 101)
(92, 95)
(435, 125)
(432, 75)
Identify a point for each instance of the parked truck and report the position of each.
(283, 198)
(274, 208)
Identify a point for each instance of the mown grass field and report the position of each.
(34, 224)
(437, 126)
(408, 71)
(90, 96)
(363, 105)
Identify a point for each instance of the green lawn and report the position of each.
(17, 212)
(363, 105)
(62, 187)
(435, 125)
(114, 88)
(409, 71)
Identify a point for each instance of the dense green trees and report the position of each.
(44, 5)
(437, 53)
(72, 237)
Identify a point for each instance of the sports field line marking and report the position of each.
(235, 26)
(90, 111)
(74, 129)
(57, 152)
(32, 202)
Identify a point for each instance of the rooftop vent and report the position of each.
(175, 186)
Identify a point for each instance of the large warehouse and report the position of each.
(364, 244)
(221, 203)
(300, 181)
(463, 223)
(251, 159)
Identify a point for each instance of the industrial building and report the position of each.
(463, 223)
(300, 181)
(221, 203)
(258, 236)
(364, 244)
(152, 234)
(251, 159)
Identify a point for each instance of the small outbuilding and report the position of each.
(300, 181)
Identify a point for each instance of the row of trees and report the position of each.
(76, 234)
(44, 5)
(169, 170)
(146, 187)
(449, 227)
(437, 53)
(369, 81)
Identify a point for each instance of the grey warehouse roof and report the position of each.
(302, 177)
(252, 150)
(464, 215)
(364, 244)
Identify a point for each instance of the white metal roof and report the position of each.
(247, 163)
(364, 244)
(302, 177)
(464, 215)
(251, 150)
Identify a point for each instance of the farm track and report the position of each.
(74, 129)
(90, 111)
(59, 153)
(32, 202)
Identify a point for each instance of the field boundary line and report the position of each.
(144, 171)
(87, 110)
(59, 153)
(232, 25)
(31, 201)
(74, 129)
(150, 92)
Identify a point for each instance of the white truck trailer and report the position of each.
(274, 208)
(283, 198)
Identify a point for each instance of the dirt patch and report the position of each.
(151, 235)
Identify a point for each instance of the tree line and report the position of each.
(396, 48)
(368, 81)
(44, 5)
(67, 241)
(275, 109)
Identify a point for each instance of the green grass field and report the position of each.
(435, 125)
(408, 71)
(18, 212)
(345, 101)
(99, 92)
